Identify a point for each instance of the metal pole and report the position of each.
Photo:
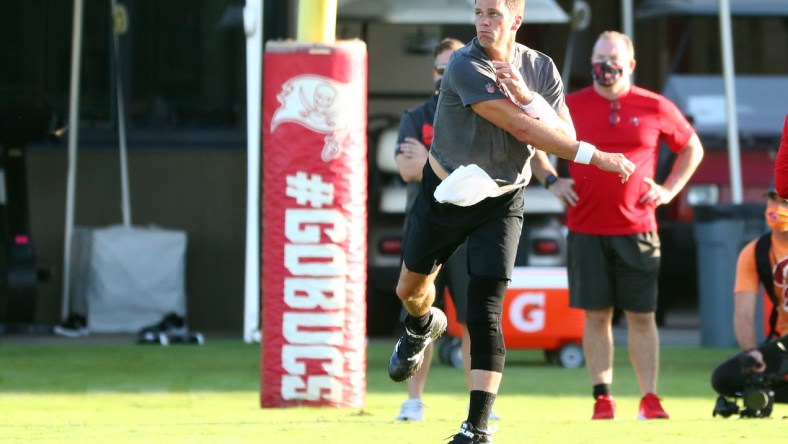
(119, 24)
(570, 49)
(628, 21)
(580, 17)
(317, 21)
(253, 27)
(73, 132)
(734, 158)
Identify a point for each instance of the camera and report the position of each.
(758, 392)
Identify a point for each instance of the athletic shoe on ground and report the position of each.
(172, 324)
(468, 434)
(412, 410)
(604, 407)
(75, 326)
(650, 408)
(409, 352)
(172, 328)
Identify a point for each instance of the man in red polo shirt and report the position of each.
(614, 249)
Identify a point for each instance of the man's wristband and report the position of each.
(549, 180)
(584, 153)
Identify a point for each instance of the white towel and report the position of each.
(466, 186)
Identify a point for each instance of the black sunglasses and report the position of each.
(615, 105)
(440, 69)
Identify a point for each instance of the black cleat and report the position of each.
(409, 352)
(468, 434)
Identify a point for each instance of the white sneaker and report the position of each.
(75, 326)
(412, 410)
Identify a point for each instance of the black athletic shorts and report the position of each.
(435, 230)
(454, 278)
(613, 271)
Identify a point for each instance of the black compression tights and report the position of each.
(485, 302)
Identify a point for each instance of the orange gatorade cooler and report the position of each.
(536, 315)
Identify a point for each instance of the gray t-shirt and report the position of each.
(463, 137)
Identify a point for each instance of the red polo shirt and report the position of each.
(606, 206)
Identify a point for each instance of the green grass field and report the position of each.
(191, 394)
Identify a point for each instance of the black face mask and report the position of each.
(606, 73)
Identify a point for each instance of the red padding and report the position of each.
(314, 225)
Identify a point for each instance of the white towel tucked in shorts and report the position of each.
(468, 185)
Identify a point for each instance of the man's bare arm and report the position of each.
(506, 115)
(687, 161)
(744, 325)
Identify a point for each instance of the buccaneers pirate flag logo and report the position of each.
(320, 104)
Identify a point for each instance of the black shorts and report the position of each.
(435, 230)
(613, 271)
(454, 278)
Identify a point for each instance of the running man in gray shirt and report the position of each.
(484, 123)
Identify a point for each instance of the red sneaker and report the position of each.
(650, 408)
(604, 407)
